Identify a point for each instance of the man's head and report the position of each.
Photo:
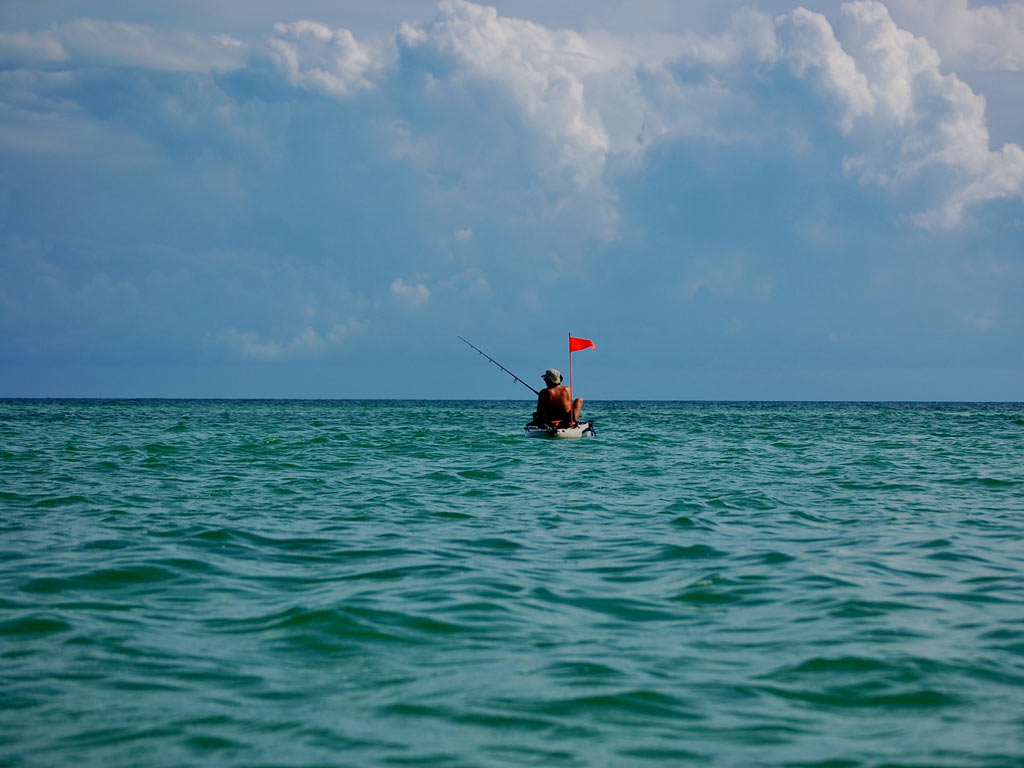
(552, 377)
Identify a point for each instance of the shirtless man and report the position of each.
(553, 402)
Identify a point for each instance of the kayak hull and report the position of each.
(582, 429)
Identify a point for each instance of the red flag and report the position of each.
(575, 345)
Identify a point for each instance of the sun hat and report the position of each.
(553, 375)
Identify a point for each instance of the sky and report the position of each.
(734, 201)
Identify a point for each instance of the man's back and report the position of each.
(553, 403)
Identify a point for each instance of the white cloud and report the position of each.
(981, 321)
(506, 112)
(724, 276)
(539, 70)
(577, 101)
(750, 37)
(35, 120)
(31, 47)
(589, 98)
(470, 281)
(306, 343)
(341, 331)
(908, 117)
(250, 345)
(982, 37)
(810, 45)
(412, 295)
(86, 42)
(463, 235)
(316, 57)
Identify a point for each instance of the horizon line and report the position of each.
(213, 398)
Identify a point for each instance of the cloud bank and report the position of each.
(589, 102)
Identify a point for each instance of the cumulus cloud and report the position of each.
(316, 57)
(910, 119)
(576, 104)
(750, 37)
(538, 69)
(587, 99)
(411, 295)
(812, 49)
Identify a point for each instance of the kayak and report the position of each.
(581, 429)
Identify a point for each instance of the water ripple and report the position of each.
(371, 583)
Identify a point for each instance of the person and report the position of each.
(554, 401)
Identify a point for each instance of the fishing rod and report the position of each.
(506, 370)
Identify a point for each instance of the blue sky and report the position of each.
(312, 199)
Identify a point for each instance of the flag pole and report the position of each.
(572, 414)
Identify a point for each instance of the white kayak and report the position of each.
(581, 429)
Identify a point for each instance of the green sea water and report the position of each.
(335, 583)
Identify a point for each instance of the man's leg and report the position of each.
(577, 406)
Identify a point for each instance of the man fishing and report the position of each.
(557, 414)
(554, 403)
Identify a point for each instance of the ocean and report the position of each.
(361, 583)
